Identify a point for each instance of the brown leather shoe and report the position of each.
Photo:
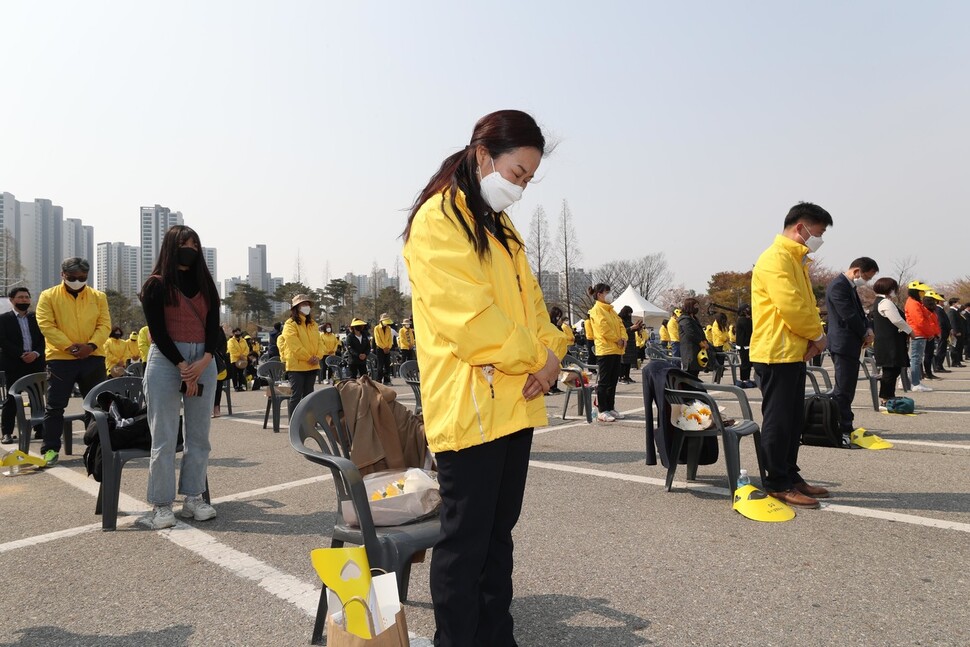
(813, 491)
(795, 499)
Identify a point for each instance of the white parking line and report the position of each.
(928, 522)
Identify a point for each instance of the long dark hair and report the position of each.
(499, 132)
(166, 267)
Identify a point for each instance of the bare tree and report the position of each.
(11, 271)
(568, 253)
(903, 269)
(651, 275)
(537, 246)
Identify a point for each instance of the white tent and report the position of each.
(642, 309)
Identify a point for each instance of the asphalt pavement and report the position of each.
(604, 556)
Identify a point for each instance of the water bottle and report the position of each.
(743, 479)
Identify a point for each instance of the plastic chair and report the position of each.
(584, 396)
(730, 436)
(135, 369)
(273, 372)
(412, 377)
(34, 386)
(871, 373)
(113, 461)
(338, 367)
(317, 422)
(811, 373)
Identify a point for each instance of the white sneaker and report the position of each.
(605, 417)
(196, 508)
(161, 517)
(920, 388)
(616, 414)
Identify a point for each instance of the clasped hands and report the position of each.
(540, 382)
(816, 347)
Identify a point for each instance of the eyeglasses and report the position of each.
(83, 279)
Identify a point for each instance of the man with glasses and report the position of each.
(75, 321)
(23, 351)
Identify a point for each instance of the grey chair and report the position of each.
(112, 460)
(34, 386)
(318, 433)
(412, 377)
(584, 393)
(273, 372)
(813, 374)
(730, 436)
(338, 368)
(136, 369)
(871, 374)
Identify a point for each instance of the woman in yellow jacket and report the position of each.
(664, 335)
(133, 354)
(304, 349)
(405, 341)
(590, 341)
(115, 352)
(488, 353)
(330, 344)
(611, 341)
(673, 331)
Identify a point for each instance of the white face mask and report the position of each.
(859, 281)
(75, 285)
(498, 192)
(812, 242)
(304, 310)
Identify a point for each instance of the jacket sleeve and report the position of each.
(11, 345)
(48, 324)
(449, 279)
(103, 329)
(842, 305)
(549, 334)
(800, 317)
(295, 349)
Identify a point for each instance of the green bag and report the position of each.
(900, 405)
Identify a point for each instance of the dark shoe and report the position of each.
(630, 380)
(940, 369)
(38, 434)
(795, 499)
(7, 439)
(813, 491)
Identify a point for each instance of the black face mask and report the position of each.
(186, 256)
(23, 307)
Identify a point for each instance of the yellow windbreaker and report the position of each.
(570, 335)
(144, 343)
(281, 346)
(481, 328)
(664, 335)
(65, 320)
(330, 343)
(237, 349)
(608, 329)
(641, 337)
(383, 337)
(133, 347)
(719, 338)
(115, 352)
(673, 332)
(588, 329)
(783, 312)
(405, 338)
(302, 343)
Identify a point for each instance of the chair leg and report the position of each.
(68, 438)
(100, 502)
(587, 395)
(694, 446)
(318, 623)
(874, 390)
(269, 403)
(111, 484)
(403, 571)
(565, 405)
(228, 398)
(675, 445)
(277, 405)
(732, 458)
(205, 495)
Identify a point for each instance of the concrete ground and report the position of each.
(604, 556)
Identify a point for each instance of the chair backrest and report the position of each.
(332, 360)
(272, 370)
(136, 369)
(319, 434)
(410, 372)
(34, 386)
(572, 360)
(129, 387)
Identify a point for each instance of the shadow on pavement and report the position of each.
(598, 458)
(47, 636)
(905, 501)
(256, 517)
(568, 620)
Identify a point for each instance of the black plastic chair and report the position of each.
(113, 461)
(584, 393)
(871, 374)
(318, 433)
(136, 369)
(730, 436)
(412, 377)
(34, 386)
(273, 372)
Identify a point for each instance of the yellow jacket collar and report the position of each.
(795, 248)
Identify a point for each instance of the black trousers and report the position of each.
(407, 354)
(238, 376)
(744, 354)
(301, 383)
(590, 352)
(62, 375)
(887, 382)
(471, 565)
(928, 355)
(783, 416)
(846, 381)
(956, 355)
(942, 346)
(384, 365)
(607, 373)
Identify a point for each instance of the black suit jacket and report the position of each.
(358, 348)
(847, 318)
(12, 344)
(956, 322)
(944, 320)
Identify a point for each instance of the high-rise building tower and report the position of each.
(117, 269)
(258, 278)
(155, 221)
(40, 243)
(209, 255)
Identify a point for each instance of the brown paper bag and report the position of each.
(394, 636)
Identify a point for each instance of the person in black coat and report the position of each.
(957, 330)
(629, 356)
(742, 333)
(358, 343)
(22, 354)
(943, 345)
(891, 335)
(692, 338)
(849, 332)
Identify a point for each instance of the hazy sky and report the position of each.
(688, 127)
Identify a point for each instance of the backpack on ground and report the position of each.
(822, 423)
(900, 405)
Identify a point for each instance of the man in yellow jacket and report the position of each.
(330, 344)
(787, 331)
(405, 340)
(383, 341)
(673, 333)
(75, 321)
(238, 351)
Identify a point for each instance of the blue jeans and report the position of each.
(917, 348)
(162, 383)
